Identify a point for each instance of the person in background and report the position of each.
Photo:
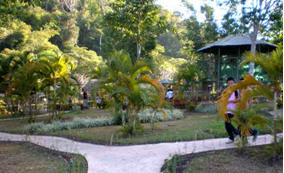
(70, 103)
(85, 99)
(99, 102)
(170, 94)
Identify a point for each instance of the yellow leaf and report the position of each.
(223, 100)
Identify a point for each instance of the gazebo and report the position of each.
(233, 46)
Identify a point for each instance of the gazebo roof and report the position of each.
(235, 44)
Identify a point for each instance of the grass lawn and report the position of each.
(248, 160)
(90, 113)
(194, 126)
(25, 157)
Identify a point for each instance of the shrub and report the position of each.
(206, 108)
(74, 124)
(190, 106)
(34, 127)
(117, 117)
(128, 128)
(147, 114)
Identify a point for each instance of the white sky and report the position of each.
(176, 5)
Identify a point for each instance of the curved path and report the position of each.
(147, 158)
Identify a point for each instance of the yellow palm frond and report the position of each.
(272, 63)
(223, 100)
(159, 87)
(244, 130)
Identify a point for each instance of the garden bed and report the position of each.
(23, 157)
(248, 160)
(194, 126)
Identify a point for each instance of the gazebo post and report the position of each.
(218, 69)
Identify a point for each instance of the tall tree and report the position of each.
(274, 32)
(209, 26)
(137, 20)
(255, 15)
(171, 39)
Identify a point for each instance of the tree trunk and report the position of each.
(134, 126)
(275, 126)
(138, 44)
(101, 38)
(253, 37)
(123, 119)
(54, 100)
(46, 5)
(13, 107)
(31, 118)
(48, 103)
(138, 50)
(30, 106)
(275, 121)
(35, 103)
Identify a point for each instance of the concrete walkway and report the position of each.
(147, 158)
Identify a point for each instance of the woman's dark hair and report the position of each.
(230, 78)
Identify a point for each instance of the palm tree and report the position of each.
(56, 68)
(126, 84)
(18, 77)
(187, 77)
(11, 61)
(272, 64)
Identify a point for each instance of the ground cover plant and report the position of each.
(25, 157)
(245, 160)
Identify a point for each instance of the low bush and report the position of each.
(190, 106)
(32, 128)
(128, 129)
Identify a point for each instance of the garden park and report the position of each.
(130, 86)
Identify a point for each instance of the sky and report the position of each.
(176, 5)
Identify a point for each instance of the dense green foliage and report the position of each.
(54, 47)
